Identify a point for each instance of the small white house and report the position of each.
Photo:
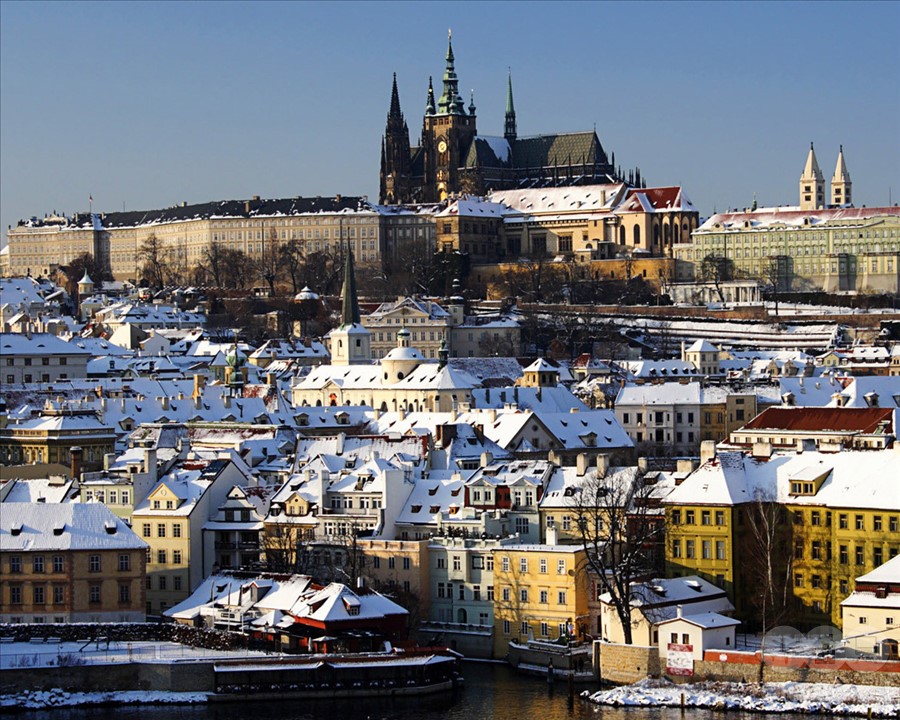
(700, 632)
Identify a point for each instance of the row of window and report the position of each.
(161, 529)
(57, 563)
(57, 594)
(162, 557)
(445, 592)
(543, 596)
(525, 628)
(10, 362)
(523, 565)
(822, 551)
(162, 582)
(659, 418)
(706, 549)
(112, 497)
(859, 520)
(706, 517)
(391, 563)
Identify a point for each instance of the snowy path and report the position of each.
(773, 697)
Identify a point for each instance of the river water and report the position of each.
(491, 692)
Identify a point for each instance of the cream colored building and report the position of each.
(37, 246)
(871, 614)
(812, 246)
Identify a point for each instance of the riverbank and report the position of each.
(57, 698)
(788, 697)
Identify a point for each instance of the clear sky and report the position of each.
(149, 104)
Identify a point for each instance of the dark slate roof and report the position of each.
(481, 154)
(553, 150)
(227, 208)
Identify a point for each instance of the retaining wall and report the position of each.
(626, 664)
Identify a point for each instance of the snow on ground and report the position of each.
(772, 697)
(36, 699)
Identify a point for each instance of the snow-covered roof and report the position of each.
(889, 572)
(765, 219)
(705, 620)
(866, 479)
(37, 344)
(63, 526)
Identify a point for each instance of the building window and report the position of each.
(490, 593)
(525, 628)
(676, 517)
(146, 530)
(720, 549)
(505, 594)
(124, 562)
(523, 565)
(161, 557)
(542, 566)
(37, 593)
(561, 597)
(506, 627)
(544, 597)
(689, 549)
(545, 629)
(560, 567)
(720, 517)
(15, 595)
(124, 593)
(58, 564)
(59, 594)
(176, 557)
(94, 563)
(37, 564)
(860, 522)
(176, 530)
(523, 595)
(707, 550)
(676, 548)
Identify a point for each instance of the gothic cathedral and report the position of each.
(452, 158)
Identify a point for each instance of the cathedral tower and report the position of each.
(350, 341)
(841, 187)
(396, 165)
(509, 125)
(812, 184)
(446, 135)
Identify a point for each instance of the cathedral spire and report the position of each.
(350, 305)
(509, 128)
(450, 102)
(394, 112)
(429, 103)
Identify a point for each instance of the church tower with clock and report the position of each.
(447, 132)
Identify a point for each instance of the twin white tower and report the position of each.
(812, 184)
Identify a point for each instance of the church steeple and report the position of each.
(394, 112)
(350, 341)
(350, 303)
(509, 126)
(429, 103)
(812, 184)
(841, 186)
(450, 102)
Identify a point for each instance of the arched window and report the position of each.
(622, 235)
(637, 235)
(462, 616)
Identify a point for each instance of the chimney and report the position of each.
(643, 464)
(487, 458)
(684, 465)
(678, 610)
(164, 402)
(270, 379)
(581, 464)
(108, 460)
(226, 400)
(602, 465)
(707, 451)
(683, 351)
(552, 536)
(150, 464)
(76, 454)
(764, 450)
(199, 384)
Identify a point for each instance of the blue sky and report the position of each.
(150, 104)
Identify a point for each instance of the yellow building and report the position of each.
(69, 562)
(832, 517)
(540, 593)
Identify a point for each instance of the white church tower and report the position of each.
(350, 341)
(812, 184)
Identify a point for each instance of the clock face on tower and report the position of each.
(442, 146)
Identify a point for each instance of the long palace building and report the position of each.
(39, 245)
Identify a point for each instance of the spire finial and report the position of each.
(449, 33)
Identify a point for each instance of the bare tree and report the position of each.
(85, 263)
(717, 269)
(621, 531)
(268, 265)
(770, 279)
(213, 262)
(286, 548)
(768, 565)
(154, 259)
(290, 257)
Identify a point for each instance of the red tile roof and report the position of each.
(864, 420)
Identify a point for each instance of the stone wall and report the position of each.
(739, 667)
(170, 677)
(625, 664)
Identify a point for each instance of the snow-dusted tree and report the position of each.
(621, 530)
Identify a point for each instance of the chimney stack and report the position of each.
(76, 455)
(707, 451)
